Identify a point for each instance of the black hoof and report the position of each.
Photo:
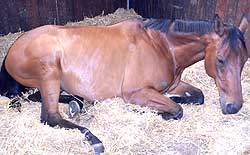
(168, 116)
(94, 141)
(178, 99)
(98, 148)
(74, 109)
(194, 97)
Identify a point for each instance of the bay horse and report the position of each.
(135, 60)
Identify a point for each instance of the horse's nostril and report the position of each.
(232, 108)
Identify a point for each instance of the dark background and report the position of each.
(24, 15)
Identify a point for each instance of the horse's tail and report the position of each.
(8, 86)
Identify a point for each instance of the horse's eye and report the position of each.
(220, 60)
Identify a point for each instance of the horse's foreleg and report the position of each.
(50, 90)
(186, 93)
(153, 99)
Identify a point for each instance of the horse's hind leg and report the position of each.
(16, 90)
(75, 102)
(153, 99)
(186, 93)
(36, 97)
(50, 89)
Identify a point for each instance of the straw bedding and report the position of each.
(202, 130)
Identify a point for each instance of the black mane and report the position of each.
(158, 24)
(234, 34)
(198, 26)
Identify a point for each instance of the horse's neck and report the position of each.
(187, 48)
(188, 53)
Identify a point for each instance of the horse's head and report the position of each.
(225, 57)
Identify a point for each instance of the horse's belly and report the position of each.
(94, 83)
(91, 88)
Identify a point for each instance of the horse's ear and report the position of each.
(243, 24)
(218, 25)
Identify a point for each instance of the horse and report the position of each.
(136, 60)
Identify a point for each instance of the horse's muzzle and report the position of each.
(231, 108)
